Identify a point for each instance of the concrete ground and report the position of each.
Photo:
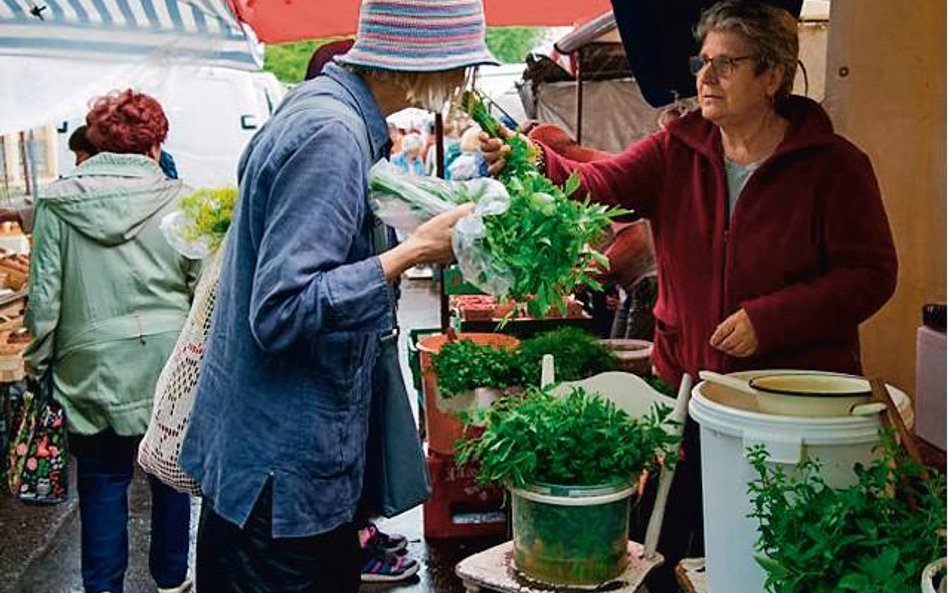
(39, 546)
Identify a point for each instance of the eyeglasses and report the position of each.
(722, 66)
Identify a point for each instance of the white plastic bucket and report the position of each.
(729, 425)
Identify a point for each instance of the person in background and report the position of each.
(395, 135)
(108, 297)
(167, 164)
(469, 164)
(83, 150)
(80, 145)
(410, 159)
(451, 147)
(277, 433)
(771, 236)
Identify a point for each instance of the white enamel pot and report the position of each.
(810, 394)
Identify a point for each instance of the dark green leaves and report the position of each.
(580, 439)
(816, 539)
(464, 365)
(576, 355)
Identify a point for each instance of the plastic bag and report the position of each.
(176, 226)
(199, 221)
(405, 201)
(477, 265)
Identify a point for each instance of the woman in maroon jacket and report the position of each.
(770, 234)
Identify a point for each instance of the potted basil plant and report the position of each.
(571, 463)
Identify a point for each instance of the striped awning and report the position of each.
(196, 31)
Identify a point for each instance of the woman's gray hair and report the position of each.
(771, 31)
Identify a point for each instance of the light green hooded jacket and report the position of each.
(108, 294)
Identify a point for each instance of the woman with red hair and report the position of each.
(108, 297)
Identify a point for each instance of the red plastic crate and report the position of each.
(458, 505)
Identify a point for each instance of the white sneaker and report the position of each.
(182, 588)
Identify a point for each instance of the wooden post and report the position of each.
(439, 169)
(439, 145)
(891, 104)
(24, 160)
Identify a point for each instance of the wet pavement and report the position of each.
(39, 546)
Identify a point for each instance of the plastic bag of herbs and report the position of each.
(196, 227)
(404, 201)
(877, 535)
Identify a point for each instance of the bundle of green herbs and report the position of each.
(198, 225)
(580, 439)
(877, 535)
(577, 354)
(210, 210)
(543, 241)
(464, 365)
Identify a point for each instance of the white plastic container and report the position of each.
(730, 423)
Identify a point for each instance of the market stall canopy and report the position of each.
(277, 21)
(57, 54)
(658, 41)
(614, 113)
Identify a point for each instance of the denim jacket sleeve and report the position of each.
(306, 283)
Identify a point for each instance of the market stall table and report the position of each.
(493, 570)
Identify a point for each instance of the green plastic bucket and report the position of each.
(571, 535)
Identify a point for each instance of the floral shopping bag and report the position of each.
(37, 455)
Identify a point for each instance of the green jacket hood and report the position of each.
(111, 196)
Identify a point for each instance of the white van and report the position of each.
(212, 114)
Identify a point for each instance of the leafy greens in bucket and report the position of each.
(464, 365)
(577, 354)
(580, 439)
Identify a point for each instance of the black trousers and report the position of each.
(251, 560)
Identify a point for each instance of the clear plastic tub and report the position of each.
(571, 535)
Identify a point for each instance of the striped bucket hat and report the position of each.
(419, 35)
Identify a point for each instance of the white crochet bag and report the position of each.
(174, 393)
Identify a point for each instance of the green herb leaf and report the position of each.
(464, 365)
(876, 535)
(543, 240)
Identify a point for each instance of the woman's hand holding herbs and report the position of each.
(429, 244)
(495, 150)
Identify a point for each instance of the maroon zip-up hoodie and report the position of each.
(807, 252)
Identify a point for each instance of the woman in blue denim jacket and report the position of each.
(277, 434)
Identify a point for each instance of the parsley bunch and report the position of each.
(544, 238)
(817, 539)
(580, 439)
(464, 365)
(577, 354)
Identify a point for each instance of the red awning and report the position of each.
(278, 21)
